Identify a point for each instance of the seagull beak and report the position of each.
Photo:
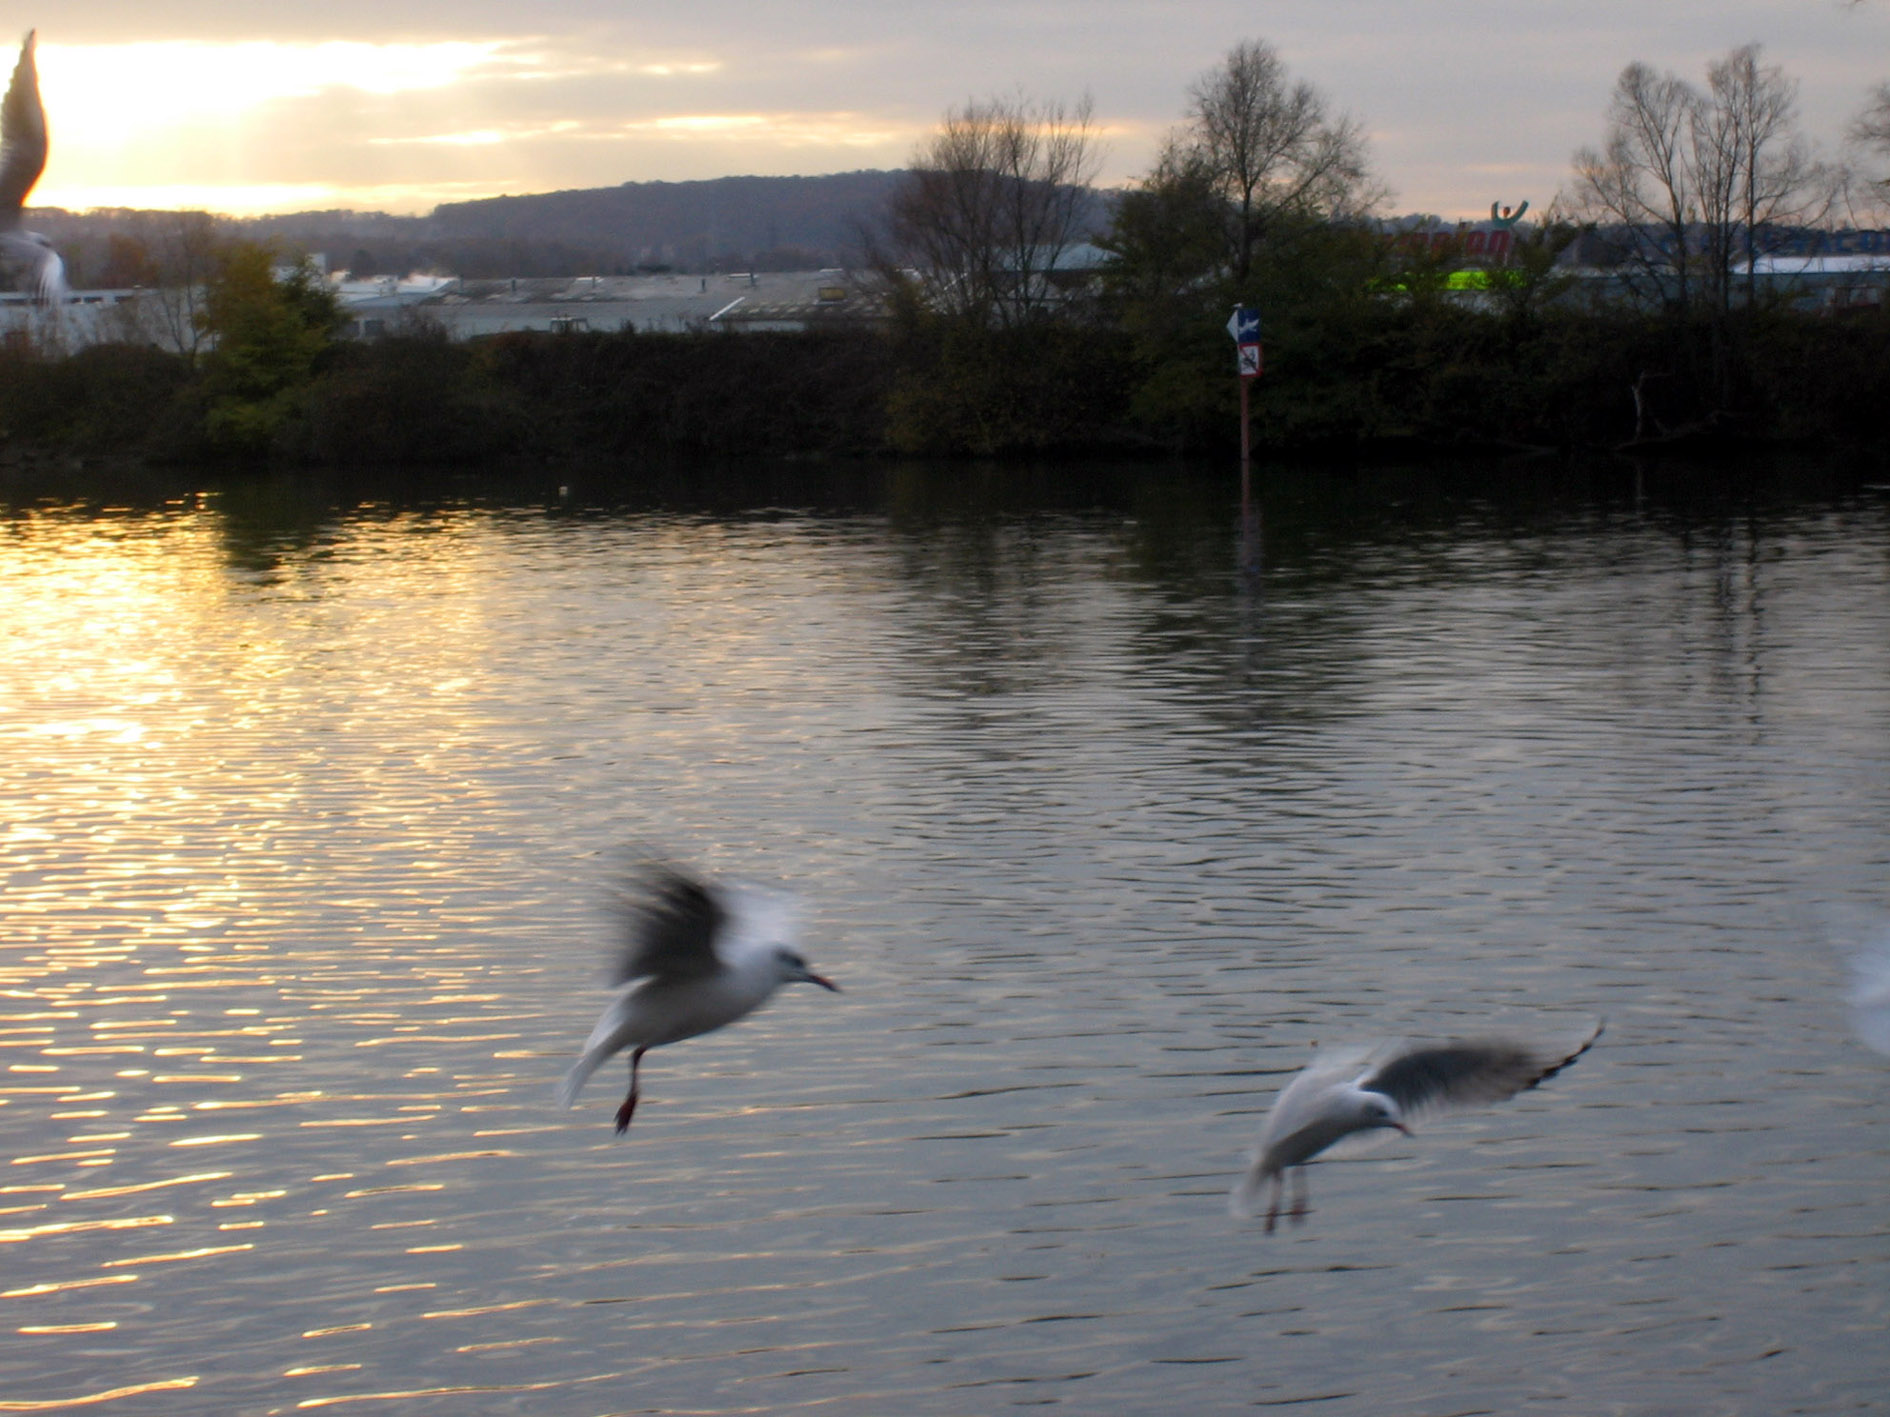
(822, 981)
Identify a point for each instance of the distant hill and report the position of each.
(687, 223)
(725, 224)
(728, 223)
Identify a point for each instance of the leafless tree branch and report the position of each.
(1689, 179)
(994, 200)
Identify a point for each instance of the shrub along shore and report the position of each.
(1398, 377)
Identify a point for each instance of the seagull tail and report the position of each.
(1245, 1201)
(573, 1082)
(613, 1032)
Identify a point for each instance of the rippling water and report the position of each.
(307, 810)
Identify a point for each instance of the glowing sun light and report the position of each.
(97, 93)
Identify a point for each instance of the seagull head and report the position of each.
(1374, 1109)
(792, 969)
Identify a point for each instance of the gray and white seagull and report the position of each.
(22, 159)
(695, 956)
(1359, 1091)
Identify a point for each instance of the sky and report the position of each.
(397, 105)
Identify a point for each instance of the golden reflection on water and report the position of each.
(106, 1395)
(186, 747)
(237, 936)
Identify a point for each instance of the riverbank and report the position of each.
(1367, 381)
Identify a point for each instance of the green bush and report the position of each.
(407, 400)
(1031, 389)
(269, 333)
(764, 394)
(102, 399)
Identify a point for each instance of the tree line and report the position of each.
(1006, 335)
(1265, 195)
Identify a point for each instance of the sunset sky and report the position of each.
(239, 107)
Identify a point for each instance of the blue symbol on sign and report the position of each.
(1245, 326)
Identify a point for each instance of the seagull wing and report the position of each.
(1433, 1077)
(22, 134)
(670, 928)
(1870, 995)
(49, 277)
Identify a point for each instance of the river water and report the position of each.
(310, 802)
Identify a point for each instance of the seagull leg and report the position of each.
(629, 1103)
(1273, 1202)
(1302, 1197)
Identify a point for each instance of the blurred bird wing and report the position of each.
(1464, 1072)
(1869, 997)
(49, 277)
(670, 924)
(22, 133)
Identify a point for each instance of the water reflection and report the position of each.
(310, 792)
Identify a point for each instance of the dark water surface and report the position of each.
(307, 810)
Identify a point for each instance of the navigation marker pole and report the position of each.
(1244, 326)
(1246, 453)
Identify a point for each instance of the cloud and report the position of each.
(426, 96)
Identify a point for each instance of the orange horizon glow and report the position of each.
(184, 125)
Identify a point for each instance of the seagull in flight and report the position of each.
(22, 159)
(696, 955)
(1360, 1091)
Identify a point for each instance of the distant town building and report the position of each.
(88, 317)
(1815, 271)
(649, 304)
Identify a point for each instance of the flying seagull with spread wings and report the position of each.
(22, 159)
(1353, 1092)
(696, 955)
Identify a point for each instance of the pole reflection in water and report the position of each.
(1251, 559)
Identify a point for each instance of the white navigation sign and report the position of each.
(1244, 326)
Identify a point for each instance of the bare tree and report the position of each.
(1270, 148)
(1689, 180)
(1870, 130)
(993, 203)
(1774, 179)
(1872, 126)
(1642, 181)
(180, 250)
